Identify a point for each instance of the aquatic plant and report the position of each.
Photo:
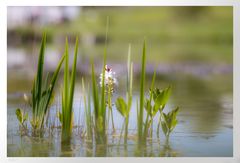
(96, 123)
(141, 106)
(169, 121)
(160, 98)
(68, 94)
(42, 92)
(151, 109)
(22, 118)
(110, 82)
(123, 107)
(99, 110)
(100, 104)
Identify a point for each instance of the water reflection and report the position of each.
(66, 149)
(201, 121)
(167, 151)
(200, 102)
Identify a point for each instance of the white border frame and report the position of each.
(236, 83)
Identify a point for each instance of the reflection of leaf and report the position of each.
(122, 107)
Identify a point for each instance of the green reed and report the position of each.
(41, 94)
(99, 111)
(141, 107)
(68, 94)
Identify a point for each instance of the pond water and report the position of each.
(205, 126)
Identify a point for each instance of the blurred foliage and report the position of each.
(174, 34)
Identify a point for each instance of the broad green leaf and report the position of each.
(121, 107)
(161, 97)
(40, 67)
(19, 115)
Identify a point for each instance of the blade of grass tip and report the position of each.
(40, 67)
(66, 73)
(53, 81)
(73, 77)
(142, 89)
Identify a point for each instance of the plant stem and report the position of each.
(110, 104)
(126, 130)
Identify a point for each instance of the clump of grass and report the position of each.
(68, 94)
(42, 93)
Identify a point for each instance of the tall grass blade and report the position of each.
(68, 93)
(141, 108)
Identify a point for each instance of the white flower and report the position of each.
(109, 77)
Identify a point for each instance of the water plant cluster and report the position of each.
(98, 102)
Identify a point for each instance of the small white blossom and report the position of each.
(109, 77)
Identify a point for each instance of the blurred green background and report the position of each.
(173, 34)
